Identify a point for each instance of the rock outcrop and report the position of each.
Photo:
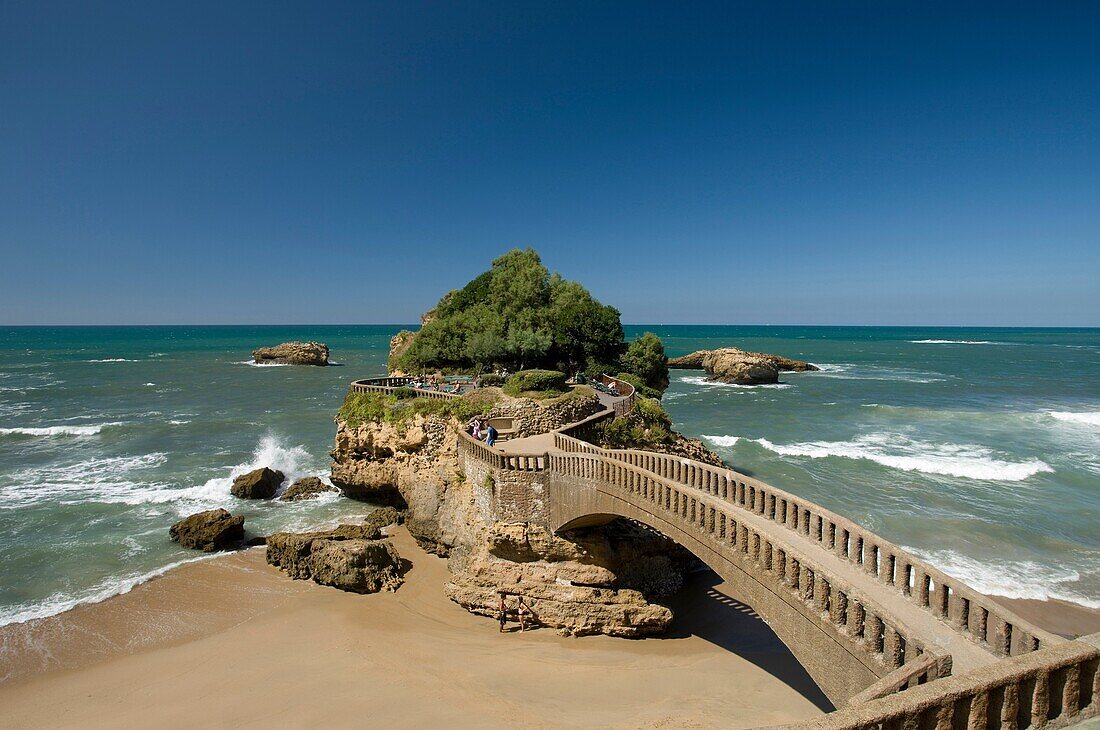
(208, 531)
(349, 557)
(293, 353)
(731, 365)
(596, 582)
(261, 483)
(305, 488)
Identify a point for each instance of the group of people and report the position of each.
(437, 382)
(476, 428)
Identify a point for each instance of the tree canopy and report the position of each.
(516, 315)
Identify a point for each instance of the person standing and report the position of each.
(490, 435)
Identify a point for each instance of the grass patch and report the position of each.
(359, 408)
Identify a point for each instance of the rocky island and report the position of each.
(292, 353)
(733, 365)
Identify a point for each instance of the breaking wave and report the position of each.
(1089, 418)
(901, 452)
(723, 440)
(960, 342)
(90, 430)
(852, 371)
(293, 461)
(254, 364)
(701, 380)
(113, 359)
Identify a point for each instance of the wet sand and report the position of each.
(232, 641)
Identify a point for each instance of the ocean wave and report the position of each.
(111, 479)
(113, 359)
(254, 364)
(901, 452)
(961, 342)
(89, 430)
(61, 602)
(853, 371)
(701, 380)
(1023, 579)
(722, 440)
(1088, 418)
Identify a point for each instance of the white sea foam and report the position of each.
(293, 462)
(112, 479)
(961, 342)
(722, 440)
(178, 421)
(901, 452)
(113, 359)
(60, 602)
(701, 380)
(1024, 579)
(89, 430)
(254, 364)
(854, 371)
(1088, 418)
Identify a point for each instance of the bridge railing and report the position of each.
(625, 389)
(989, 623)
(1054, 687)
(783, 566)
(388, 385)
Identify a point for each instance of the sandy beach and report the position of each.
(231, 641)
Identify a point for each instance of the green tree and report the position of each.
(645, 357)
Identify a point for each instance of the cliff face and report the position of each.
(596, 580)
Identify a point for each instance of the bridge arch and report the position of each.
(839, 669)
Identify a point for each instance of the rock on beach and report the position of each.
(208, 531)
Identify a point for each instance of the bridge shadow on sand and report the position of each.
(703, 608)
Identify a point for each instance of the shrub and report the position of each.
(490, 380)
(544, 382)
(646, 426)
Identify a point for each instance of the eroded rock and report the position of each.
(259, 484)
(208, 531)
(360, 566)
(293, 353)
(305, 488)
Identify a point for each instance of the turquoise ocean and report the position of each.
(978, 449)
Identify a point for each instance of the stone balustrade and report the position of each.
(946, 597)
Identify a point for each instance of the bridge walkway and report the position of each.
(966, 654)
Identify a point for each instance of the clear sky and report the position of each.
(767, 162)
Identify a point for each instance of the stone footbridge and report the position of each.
(891, 640)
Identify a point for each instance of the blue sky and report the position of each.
(780, 163)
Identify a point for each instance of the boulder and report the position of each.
(736, 366)
(305, 488)
(291, 551)
(349, 557)
(259, 484)
(293, 353)
(359, 566)
(208, 531)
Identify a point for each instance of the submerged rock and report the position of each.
(305, 488)
(259, 484)
(208, 531)
(293, 353)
